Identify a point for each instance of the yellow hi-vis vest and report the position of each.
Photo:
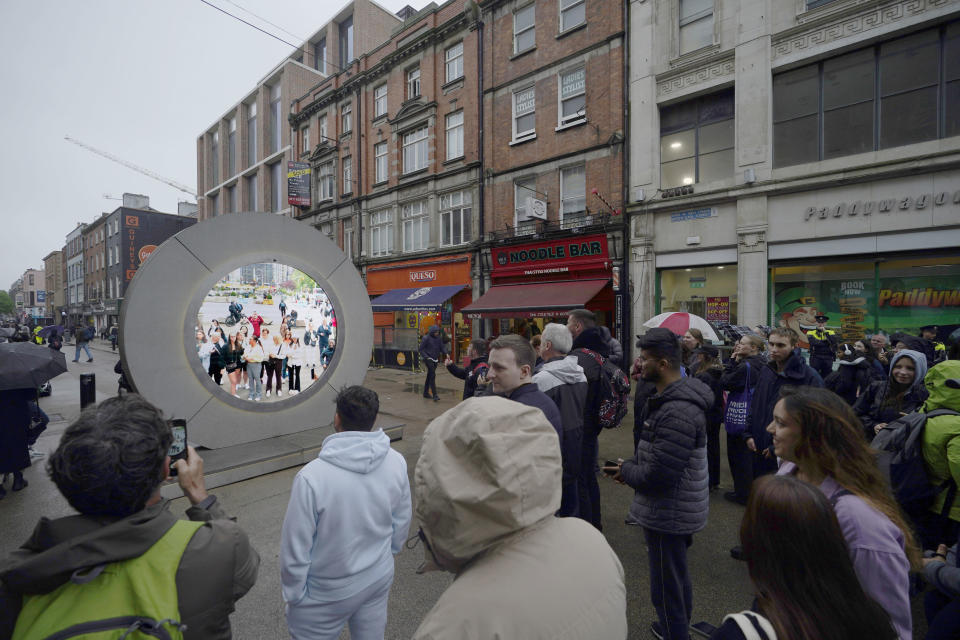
(135, 598)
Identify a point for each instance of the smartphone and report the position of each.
(610, 463)
(178, 448)
(704, 629)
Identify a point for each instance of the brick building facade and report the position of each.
(394, 148)
(554, 123)
(242, 157)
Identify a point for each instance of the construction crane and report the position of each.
(130, 165)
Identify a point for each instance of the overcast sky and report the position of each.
(137, 78)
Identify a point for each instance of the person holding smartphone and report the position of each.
(182, 574)
(668, 474)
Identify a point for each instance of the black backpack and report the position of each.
(614, 396)
(900, 447)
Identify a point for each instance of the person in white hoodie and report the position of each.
(349, 514)
(561, 377)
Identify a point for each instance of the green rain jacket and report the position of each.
(941, 436)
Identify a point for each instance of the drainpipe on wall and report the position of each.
(475, 11)
(359, 190)
(626, 342)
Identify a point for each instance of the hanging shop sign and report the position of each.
(298, 184)
(556, 256)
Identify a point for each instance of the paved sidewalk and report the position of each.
(720, 583)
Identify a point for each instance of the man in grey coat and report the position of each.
(563, 380)
(669, 476)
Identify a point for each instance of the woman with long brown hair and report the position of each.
(806, 585)
(818, 437)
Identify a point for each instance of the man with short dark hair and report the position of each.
(562, 379)
(785, 368)
(349, 514)
(473, 371)
(109, 466)
(510, 375)
(582, 325)
(668, 473)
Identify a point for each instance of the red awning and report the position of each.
(534, 300)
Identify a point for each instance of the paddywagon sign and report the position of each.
(557, 256)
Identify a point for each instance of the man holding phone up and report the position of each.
(669, 475)
(126, 561)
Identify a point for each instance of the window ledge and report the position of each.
(522, 53)
(696, 55)
(570, 125)
(345, 136)
(383, 116)
(564, 34)
(456, 83)
(376, 185)
(344, 196)
(522, 140)
(415, 172)
(456, 160)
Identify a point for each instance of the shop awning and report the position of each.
(534, 300)
(416, 299)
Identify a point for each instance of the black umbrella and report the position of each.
(24, 365)
(46, 332)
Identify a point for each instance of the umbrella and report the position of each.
(680, 322)
(46, 332)
(27, 366)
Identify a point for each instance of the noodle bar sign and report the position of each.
(557, 256)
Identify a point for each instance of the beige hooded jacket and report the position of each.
(487, 486)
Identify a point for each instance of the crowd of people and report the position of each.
(507, 497)
(246, 352)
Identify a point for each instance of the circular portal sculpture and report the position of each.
(159, 314)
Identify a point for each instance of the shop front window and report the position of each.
(916, 292)
(709, 292)
(862, 298)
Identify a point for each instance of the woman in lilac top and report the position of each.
(819, 438)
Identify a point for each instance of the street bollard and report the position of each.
(88, 389)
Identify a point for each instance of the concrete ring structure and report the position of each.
(159, 313)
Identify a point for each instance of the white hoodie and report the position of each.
(349, 513)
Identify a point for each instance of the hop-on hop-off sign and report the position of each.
(298, 184)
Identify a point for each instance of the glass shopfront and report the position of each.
(709, 292)
(898, 294)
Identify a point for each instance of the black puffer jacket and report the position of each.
(669, 470)
(590, 339)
